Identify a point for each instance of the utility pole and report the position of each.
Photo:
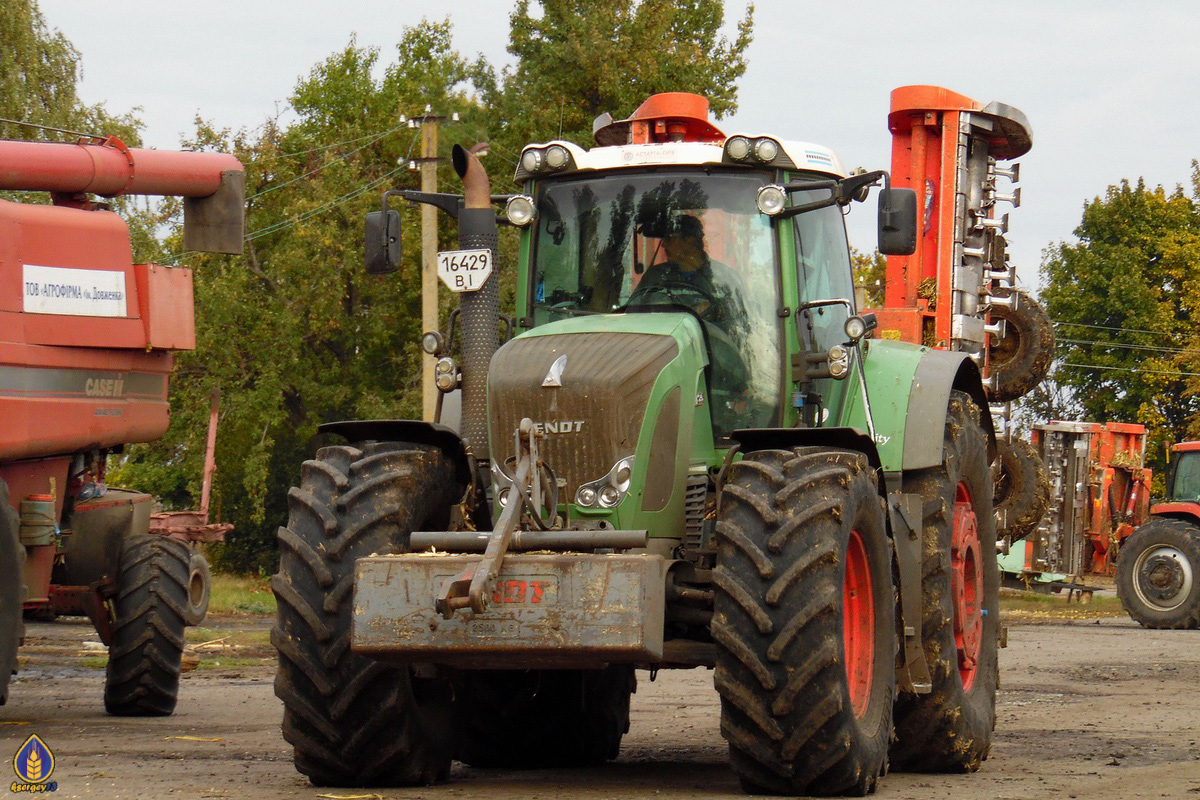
(429, 250)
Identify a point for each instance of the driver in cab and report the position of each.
(689, 277)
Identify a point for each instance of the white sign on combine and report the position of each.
(464, 270)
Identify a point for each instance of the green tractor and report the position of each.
(689, 452)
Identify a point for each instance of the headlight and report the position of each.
(839, 361)
(520, 210)
(445, 374)
(771, 199)
(766, 150)
(433, 342)
(855, 327)
(557, 156)
(609, 491)
(531, 160)
(738, 148)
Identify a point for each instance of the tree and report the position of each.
(294, 332)
(1124, 298)
(580, 58)
(870, 273)
(38, 78)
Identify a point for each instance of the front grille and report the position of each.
(592, 420)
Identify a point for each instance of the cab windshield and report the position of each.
(1185, 484)
(632, 242)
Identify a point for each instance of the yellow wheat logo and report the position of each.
(34, 763)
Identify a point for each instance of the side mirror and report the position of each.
(897, 222)
(382, 246)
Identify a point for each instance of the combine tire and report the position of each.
(353, 721)
(12, 591)
(804, 623)
(537, 719)
(1158, 574)
(950, 729)
(199, 588)
(148, 623)
(1021, 360)
(1022, 489)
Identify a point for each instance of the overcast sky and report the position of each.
(1109, 86)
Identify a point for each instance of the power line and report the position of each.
(1122, 346)
(1134, 369)
(1122, 330)
(342, 157)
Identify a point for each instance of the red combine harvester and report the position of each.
(86, 349)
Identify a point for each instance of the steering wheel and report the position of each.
(706, 308)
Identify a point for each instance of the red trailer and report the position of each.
(86, 350)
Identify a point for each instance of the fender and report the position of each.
(938, 373)
(433, 434)
(844, 438)
(910, 388)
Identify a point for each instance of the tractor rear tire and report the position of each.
(1022, 489)
(950, 729)
(1021, 360)
(12, 591)
(1158, 574)
(199, 588)
(804, 622)
(353, 721)
(142, 678)
(538, 719)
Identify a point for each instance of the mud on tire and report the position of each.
(804, 622)
(1021, 360)
(1022, 489)
(534, 719)
(1158, 574)
(149, 611)
(950, 729)
(12, 591)
(353, 721)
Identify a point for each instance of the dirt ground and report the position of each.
(1088, 708)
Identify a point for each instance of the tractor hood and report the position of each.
(590, 384)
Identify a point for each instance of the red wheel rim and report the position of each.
(966, 579)
(858, 624)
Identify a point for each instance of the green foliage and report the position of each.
(1124, 298)
(38, 77)
(294, 333)
(580, 58)
(870, 272)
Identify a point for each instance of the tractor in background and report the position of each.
(1158, 566)
(686, 451)
(86, 350)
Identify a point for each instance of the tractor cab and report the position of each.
(744, 233)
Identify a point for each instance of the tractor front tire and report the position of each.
(804, 622)
(350, 720)
(149, 618)
(537, 719)
(950, 729)
(1022, 489)
(12, 591)
(1158, 574)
